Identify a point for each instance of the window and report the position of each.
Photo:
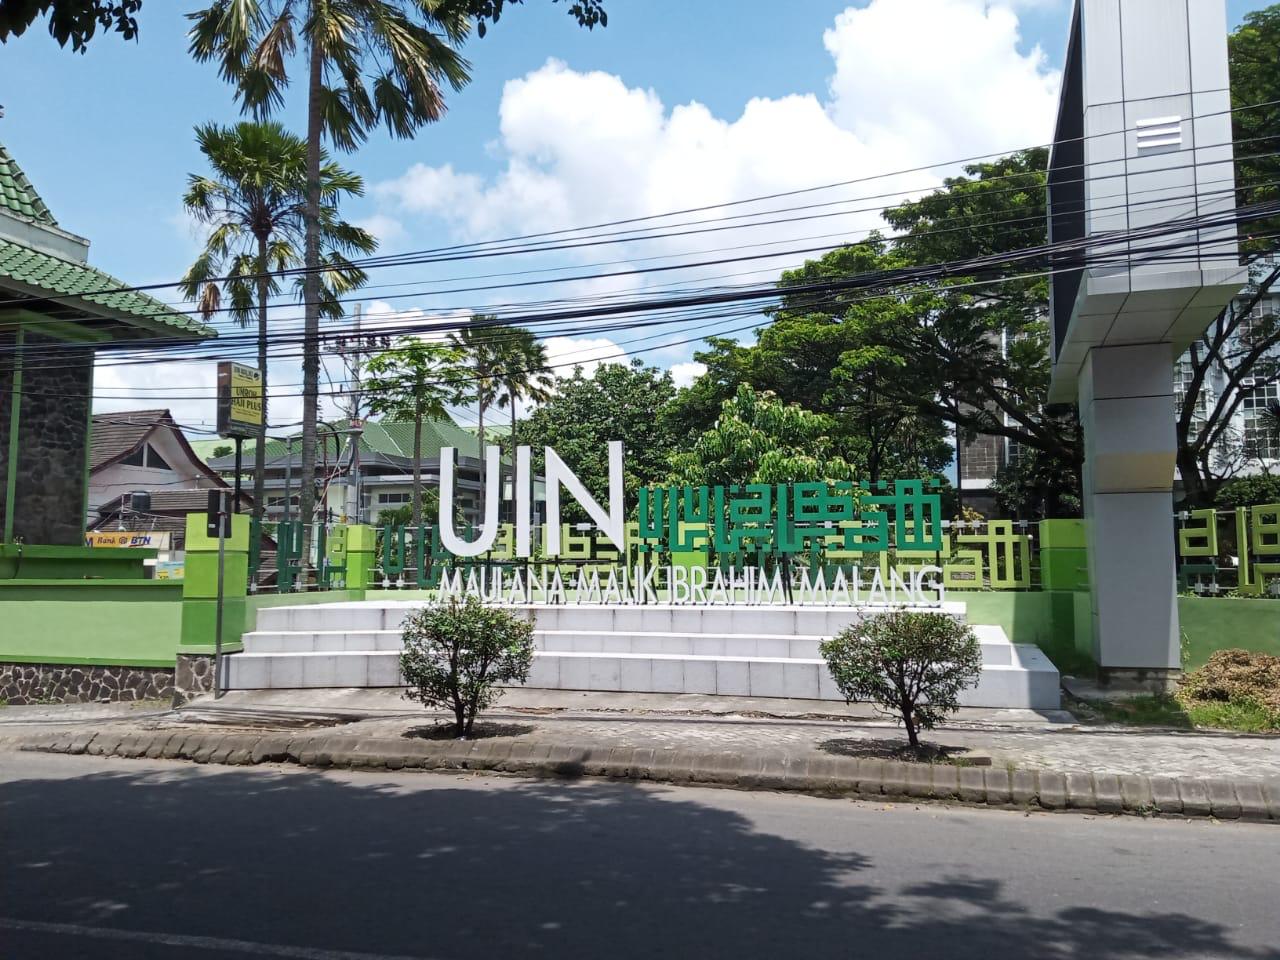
(1257, 399)
(146, 456)
(1183, 372)
(386, 498)
(1260, 439)
(155, 460)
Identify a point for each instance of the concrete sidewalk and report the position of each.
(1000, 758)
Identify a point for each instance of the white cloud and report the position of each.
(966, 90)
(564, 353)
(687, 372)
(388, 231)
(580, 148)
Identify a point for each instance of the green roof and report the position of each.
(18, 196)
(56, 276)
(392, 438)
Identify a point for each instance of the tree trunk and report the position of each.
(311, 295)
(417, 470)
(260, 448)
(909, 721)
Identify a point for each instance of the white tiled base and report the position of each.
(743, 651)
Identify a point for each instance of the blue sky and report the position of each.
(607, 128)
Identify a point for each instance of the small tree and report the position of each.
(458, 655)
(912, 665)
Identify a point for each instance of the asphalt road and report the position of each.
(140, 860)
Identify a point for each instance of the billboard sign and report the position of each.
(241, 411)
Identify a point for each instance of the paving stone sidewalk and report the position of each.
(1054, 766)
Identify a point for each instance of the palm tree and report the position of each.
(414, 379)
(369, 63)
(476, 341)
(522, 361)
(253, 202)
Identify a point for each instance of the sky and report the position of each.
(675, 104)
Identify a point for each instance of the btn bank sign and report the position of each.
(820, 542)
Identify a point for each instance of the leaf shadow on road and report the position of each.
(438, 868)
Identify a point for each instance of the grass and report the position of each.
(1166, 711)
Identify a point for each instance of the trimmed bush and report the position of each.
(912, 665)
(458, 655)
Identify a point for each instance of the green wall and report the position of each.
(1218, 623)
(127, 622)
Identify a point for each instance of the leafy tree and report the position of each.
(252, 203)
(414, 380)
(1240, 345)
(617, 402)
(75, 21)
(1035, 486)
(222, 450)
(478, 344)
(368, 63)
(1248, 491)
(459, 655)
(912, 665)
(760, 439)
(523, 373)
(1255, 79)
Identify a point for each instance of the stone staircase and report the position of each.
(730, 651)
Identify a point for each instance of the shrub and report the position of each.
(459, 654)
(1236, 677)
(1249, 491)
(912, 665)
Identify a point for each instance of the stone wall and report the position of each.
(53, 436)
(24, 683)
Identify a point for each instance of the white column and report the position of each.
(1126, 409)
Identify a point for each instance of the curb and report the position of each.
(1081, 792)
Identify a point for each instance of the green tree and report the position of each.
(524, 375)
(368, 63)
(913, 666)
(74, 21)
(414, 380)
(252, 204)
(459, 655)
(478, 344)
(617, 402)
(1255, 79)
(760, 439)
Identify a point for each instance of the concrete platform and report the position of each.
(716, 651)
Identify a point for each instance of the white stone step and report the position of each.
(776, 620)
(1030, 681)
(995, 649)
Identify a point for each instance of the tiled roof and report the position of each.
(117, 434)
(381, 438)
(56, 276)
(17, 196)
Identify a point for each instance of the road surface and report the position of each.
(140, 860)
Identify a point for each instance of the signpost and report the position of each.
(219, 525)
(241, 410)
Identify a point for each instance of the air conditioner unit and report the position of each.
(1248, 382)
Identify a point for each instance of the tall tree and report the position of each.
(252, 202)
(369, 63)
(759, 439)
(477, 342)
(1255, 122)
(70, 21)
(414, 380)
(617, 402)
(522, 361)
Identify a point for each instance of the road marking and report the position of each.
(249, 947)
